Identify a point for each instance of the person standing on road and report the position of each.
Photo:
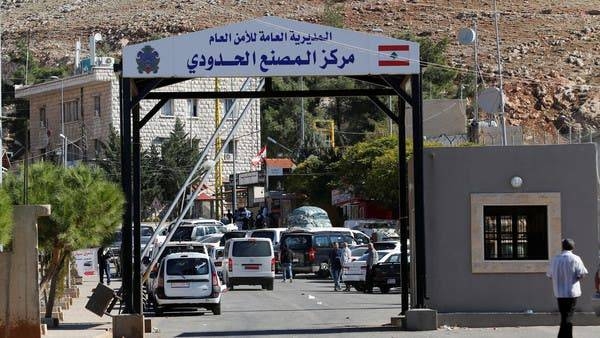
(372, 259)
(103, 264)
(347, 254)
(229, 216)
(286, 258)
(565, 270)
(335, 266)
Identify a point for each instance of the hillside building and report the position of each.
(91, 107)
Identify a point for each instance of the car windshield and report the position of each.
(210, 239)
(182, 248)
(384, 246)
(297, 242)
(380, 254)
(251, 249)
(146, 231)
(358, 251)
(182, 234)
(264, 234)
(187, 266)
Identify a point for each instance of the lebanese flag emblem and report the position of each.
(393, 55)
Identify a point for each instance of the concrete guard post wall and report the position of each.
(453, 175)
(19, 291)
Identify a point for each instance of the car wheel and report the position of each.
(269, 285)
(216, 309)
(359, 287)
(229, 285)
(384, 289)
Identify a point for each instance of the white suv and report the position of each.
(188, 280)
(249, 261)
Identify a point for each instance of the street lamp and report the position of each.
(279, 144)
(62, 117)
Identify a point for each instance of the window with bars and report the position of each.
(97, 106)
(515, 232)
(71, 110)
(43, 121)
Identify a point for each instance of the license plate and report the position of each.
(391, 281)
(180, 285)
(252, 266)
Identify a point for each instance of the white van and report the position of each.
(249, 261)
(186, 279)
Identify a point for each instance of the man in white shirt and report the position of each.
(565, 270)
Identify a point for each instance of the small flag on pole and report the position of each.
(393, 55)
(257, 160)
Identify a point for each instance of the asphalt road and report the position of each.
(309, 307)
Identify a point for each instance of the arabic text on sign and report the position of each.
(325, 58)
(297, 38)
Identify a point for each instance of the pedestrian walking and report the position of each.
(347, 254)
(286, 257)
(103, 264)
(372, 259)
(229, 216)
(565, 270)
(335, 266)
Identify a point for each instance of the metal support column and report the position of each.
(126, 247)
(137, 188)
(417, 111)
(403, 205)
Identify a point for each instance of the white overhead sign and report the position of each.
(270, 46)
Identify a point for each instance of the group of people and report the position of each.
(246, 219)
(339, 257)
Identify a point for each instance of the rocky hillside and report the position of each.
(550, 49)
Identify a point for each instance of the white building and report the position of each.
(91, 107)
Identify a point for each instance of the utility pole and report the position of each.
(502, 118)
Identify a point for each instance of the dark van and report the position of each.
(311, 248)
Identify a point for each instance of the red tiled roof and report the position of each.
(279, 163)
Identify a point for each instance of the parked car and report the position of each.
(186, 280)
(311, 248)
(248, 261)
(274, 234)
(354, 272)
(170, 248)
(357, 252)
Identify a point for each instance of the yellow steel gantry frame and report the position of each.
(330, 129)
(219, 164)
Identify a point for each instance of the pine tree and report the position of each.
(86, 211)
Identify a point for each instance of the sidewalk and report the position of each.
(80, 322)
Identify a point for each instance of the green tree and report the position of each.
(6, 221)
(439, 80)
(151, 175)
(179, 154)
(111, 156)
(86, 210)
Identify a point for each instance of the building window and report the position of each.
(228, 104)
(97, 107)
(98, 149)
(228, 151)
(167, 109)
(192, 108)
(43, 121)
(515, 232)
(71, 110)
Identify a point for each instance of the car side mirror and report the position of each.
(153, 274)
